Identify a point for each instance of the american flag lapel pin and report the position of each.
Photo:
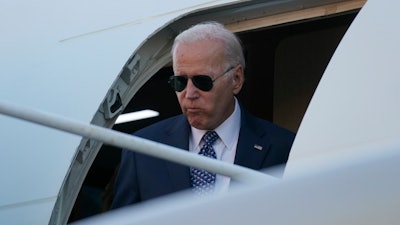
(258, 147)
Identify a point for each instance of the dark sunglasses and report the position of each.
(202, 82)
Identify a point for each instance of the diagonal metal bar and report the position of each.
(133, 143)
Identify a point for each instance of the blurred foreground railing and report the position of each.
(126, 141)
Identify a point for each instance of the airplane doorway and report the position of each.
(284, 66)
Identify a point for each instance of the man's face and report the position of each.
(206, 110)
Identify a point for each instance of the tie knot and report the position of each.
(210, 137)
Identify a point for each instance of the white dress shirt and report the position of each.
(224, 146)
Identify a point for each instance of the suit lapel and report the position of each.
(251, 149)
(178, 136)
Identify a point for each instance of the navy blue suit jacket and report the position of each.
(144, 177)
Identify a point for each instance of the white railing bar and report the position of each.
(133, 143)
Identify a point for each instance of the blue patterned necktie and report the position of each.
(203, 181)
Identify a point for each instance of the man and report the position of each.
(208, 64)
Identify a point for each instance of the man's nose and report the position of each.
(191, 89)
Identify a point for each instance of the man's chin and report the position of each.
(196, 124)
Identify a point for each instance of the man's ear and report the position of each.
(238, 79)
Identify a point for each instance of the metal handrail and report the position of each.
(133, 143)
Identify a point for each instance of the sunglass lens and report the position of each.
(203, 82)
(178, 83)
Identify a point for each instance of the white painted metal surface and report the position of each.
(356, 102)
(361, 191)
